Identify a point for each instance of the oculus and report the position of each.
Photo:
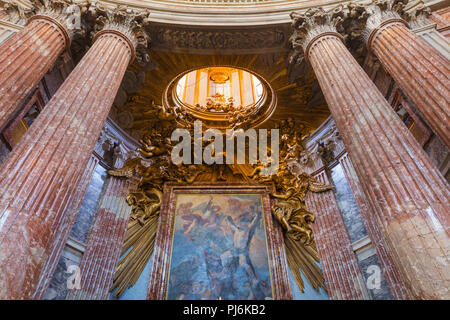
(222, 97)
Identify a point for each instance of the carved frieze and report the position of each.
(180, 39)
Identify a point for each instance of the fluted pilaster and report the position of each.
(40, 176)
(408, 195)
(105, 241)
(420, 70)
(339, 263)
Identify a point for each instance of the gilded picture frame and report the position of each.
(171, 281)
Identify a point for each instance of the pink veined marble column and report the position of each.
(61, 233)
(389, 269)
(43, 171)
(409, 197)
(339, 263)
(104, 245)
(25, 57)
(421, 71)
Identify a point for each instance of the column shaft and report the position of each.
(339, 263)
(39, 177)
(420, 70)
(104, 244)
(390, 271)
(407, 193)
(25, 57)
(62, 232)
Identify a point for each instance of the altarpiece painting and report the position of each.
(218, 242)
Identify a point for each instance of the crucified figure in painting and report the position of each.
(242, 234)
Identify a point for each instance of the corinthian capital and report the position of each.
(310, 25)
(129, 22)
(381, 12)
(66, 14)
(417, 16)
(14, 12)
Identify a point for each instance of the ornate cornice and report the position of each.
(227, 14)
(310, 26)
(128, 23)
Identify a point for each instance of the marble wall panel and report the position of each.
(371, 269)
(58, 288)
(347, 205)
(86, 215)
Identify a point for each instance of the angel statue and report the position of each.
(157, 147)
(152, 178)
(141, 231)
(290, 209)
(161, 112)
(144, 206)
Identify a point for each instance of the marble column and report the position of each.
(42, 173)
(104, 244)
(420, 70)
(27, 55)
(390, 271)
(339, 263)
(408, 196)
(62, 232)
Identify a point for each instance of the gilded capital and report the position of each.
(381, 13)
(129, 23)
(311, 25)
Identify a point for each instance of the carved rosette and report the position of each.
(14, 13)
(128, 23)
(310, 26)
(381, 13)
